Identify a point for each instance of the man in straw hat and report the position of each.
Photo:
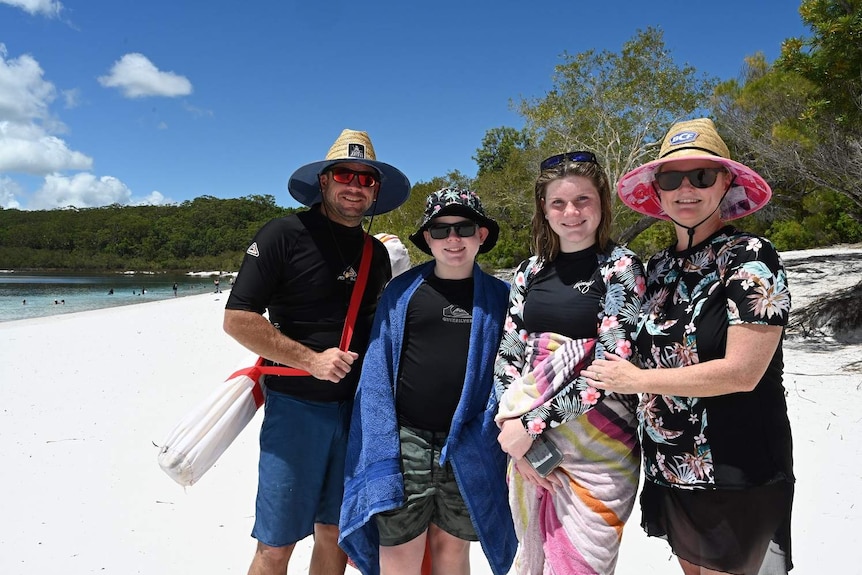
(302, 269)
(714, 429)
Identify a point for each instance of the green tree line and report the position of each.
(206, 233)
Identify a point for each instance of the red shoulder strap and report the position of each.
(356, 296)
(259, 369)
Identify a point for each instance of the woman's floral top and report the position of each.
(621, 281)
(735, 440)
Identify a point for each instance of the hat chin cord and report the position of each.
(691, 229)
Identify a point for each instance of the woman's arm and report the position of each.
(758, 304)
(749, 350)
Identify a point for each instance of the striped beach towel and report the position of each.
(577, 529)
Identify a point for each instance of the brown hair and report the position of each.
(546, 243)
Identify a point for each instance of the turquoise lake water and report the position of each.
(25, 295)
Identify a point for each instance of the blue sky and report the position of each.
(162, 101)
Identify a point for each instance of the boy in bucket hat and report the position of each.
(302, 269)
(422, 461)
(716, 439)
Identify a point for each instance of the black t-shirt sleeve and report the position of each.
(262, 267)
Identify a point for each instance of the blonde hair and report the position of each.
(546, 243)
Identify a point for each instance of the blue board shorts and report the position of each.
(301, 469)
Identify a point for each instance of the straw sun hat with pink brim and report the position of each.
(695, 139)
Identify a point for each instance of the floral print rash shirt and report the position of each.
(730, 441)
(622, 283)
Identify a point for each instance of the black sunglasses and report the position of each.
(699, 178)
(462, 229)
(346, 175)
(568, 156)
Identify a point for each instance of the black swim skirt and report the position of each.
(740, 531)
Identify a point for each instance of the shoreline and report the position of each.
(29, 295)
(77, 271)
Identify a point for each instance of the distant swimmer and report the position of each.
(175, 289)
(111, 291)
(24, 302)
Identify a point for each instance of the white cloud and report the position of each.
(27, 148)
(71, 98)
(8, 190)
(27, 141)
(24, 95)
(197, 112)
(49, 8)
(86, 190)
(137, 77)
(83, 190)
(29, 145)
(153, 199)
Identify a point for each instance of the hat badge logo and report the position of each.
(355, 150)
(683, 138)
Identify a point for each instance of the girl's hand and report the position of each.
(549, 483)
(514, 439)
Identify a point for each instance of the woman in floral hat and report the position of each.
(574, 449)
(713, 418)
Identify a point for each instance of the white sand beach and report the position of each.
(85, 397)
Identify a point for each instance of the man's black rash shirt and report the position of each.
(291, 270)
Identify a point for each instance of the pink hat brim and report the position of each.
(749, 193)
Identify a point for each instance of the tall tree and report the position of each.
(498, 147)
(800, 120)
(830, 58)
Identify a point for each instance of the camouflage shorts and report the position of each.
(430, 491)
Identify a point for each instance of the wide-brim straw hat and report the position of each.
(695, 139)
(351, 146)
(455, 202)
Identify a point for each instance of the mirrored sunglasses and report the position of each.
(699, 178)
(567, 157)
(462, 229)
(346, 175)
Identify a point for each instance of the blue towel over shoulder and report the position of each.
(373, 481)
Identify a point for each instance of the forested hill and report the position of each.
(206, 233)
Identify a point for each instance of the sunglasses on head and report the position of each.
(699, 178)
(462, 230)
(346, 175)
(568, 157)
